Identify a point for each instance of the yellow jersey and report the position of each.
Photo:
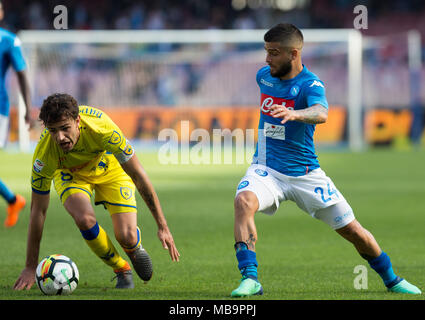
(98, 135)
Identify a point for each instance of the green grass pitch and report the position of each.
(299, 257)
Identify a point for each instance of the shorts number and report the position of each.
(330, 193)
(66, 176)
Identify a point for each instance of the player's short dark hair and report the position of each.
(285, 33)
(58, 106)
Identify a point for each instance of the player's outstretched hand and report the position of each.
(25, 280)
(279, 111)
(167, 241)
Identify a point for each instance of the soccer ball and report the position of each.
(57, 275)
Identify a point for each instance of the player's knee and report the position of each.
(84, 222)
(126, 237)
(246, 203)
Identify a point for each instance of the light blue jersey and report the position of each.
(288, 148)
(10, 54)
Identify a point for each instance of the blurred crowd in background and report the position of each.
(118, 75)
(384, 16)
(214, 77)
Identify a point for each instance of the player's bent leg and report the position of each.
(79, 207)
(340, 217)
(246, 205)
(129, 236)
(125, 229)
(361, 238)
(257, 191)
(382, 265)
(378, 260)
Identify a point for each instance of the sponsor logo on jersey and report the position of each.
(274, 131)
(266, 83)
(316, 83)
(243, 184)
(261, 173)
(38, 165)
(267, 101)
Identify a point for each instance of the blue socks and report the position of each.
(91, 233)
(247, 264)
(247, 261)
(6, 193)
(382, 265)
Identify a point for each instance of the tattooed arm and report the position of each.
(313, 115)
(143, 184)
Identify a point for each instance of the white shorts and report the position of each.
(314, 193)
(4, 130)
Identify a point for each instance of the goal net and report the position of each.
(151, 80)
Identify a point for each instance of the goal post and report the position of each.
(351, 38)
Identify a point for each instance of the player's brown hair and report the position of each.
(58, 106)
(285, 33)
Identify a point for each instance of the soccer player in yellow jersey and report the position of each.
(83, 152)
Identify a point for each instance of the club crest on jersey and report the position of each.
(267, 101)
(115, 138)
(294, 90)
(126, 192)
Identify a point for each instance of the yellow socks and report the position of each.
(101, 245)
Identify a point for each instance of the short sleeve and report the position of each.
(315, 93)
(116, 143)
(43, 167)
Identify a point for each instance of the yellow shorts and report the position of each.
(111, 185)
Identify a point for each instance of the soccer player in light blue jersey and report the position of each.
(10, 54)
(285, 166)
